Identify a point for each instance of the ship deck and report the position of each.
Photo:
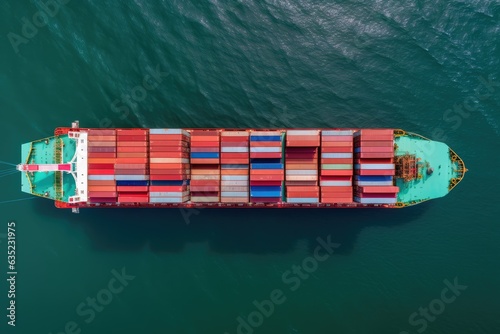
(45, 184)
(431, 154)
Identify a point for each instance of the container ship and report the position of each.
(252, 168)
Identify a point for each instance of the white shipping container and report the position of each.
(337, 132)
(335, 183)
(235, 177)
(302, 132)
(234, 193)
(375, 200)
(234, 183)
(311, 172)
(234, 149)
(265, 149)
(101, 177)
(335, 155)
(374, 166)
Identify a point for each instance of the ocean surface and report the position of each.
(431, 67)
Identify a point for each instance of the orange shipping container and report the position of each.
(101, 188)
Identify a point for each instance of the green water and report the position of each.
(427, 67)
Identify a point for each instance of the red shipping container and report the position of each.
(337, 150)
(336, 199)
(101, 144)
(170, 137)
(205, 144)
(101, 160)
(301, 183)
(131, 155)
(379, 189)
(337, 161)
(101, 138)
(337, 144)
(336, 172)
(209, 167)
(131, 144)
(132, 188)
(335, 178)
(101, 132)
(131, 172)
(101, 155)
(234, 144)
(196, 139)
(265, 144)
(169, 171)
(375, 161)
(167, 177)
(205, 161)
(267, 172)
(204, 188)
(265, 199)
(132, 149)
(100, 166)
(375, 155)
(168, 149)
(337, 190)
(376, 195)
(101, 149)
(204, 183)
(233, 161)
(294, 166)
(257, 177)
(382, 172)
(294, 156)
(302, 188)
(336, 139)
(132, 199)
(132, 138)
(101, 194)
(102, 188)
(376, 132)
(101, 171)
(94, 200)
(205, 193)
(195, 133)
(375, 143)
(266, 183)
(234, 155)
(204, 149)
(229, 139)
(265, 155)
(302, 143)
(130, 166)
(92, 183)
(167, 188)
(302, 194)
(131, 132)
(374, 137)
(131, 160)
(374, 149)
(169, 155)
(168, 143)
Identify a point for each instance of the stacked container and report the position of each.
(169, 165)
(374, 167)
(301, 157)
(205, 166)
(336, 166)
(234, 167)
(101, 162)
(131, 168)
(266, 166)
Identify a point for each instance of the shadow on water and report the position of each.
(255, 231)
